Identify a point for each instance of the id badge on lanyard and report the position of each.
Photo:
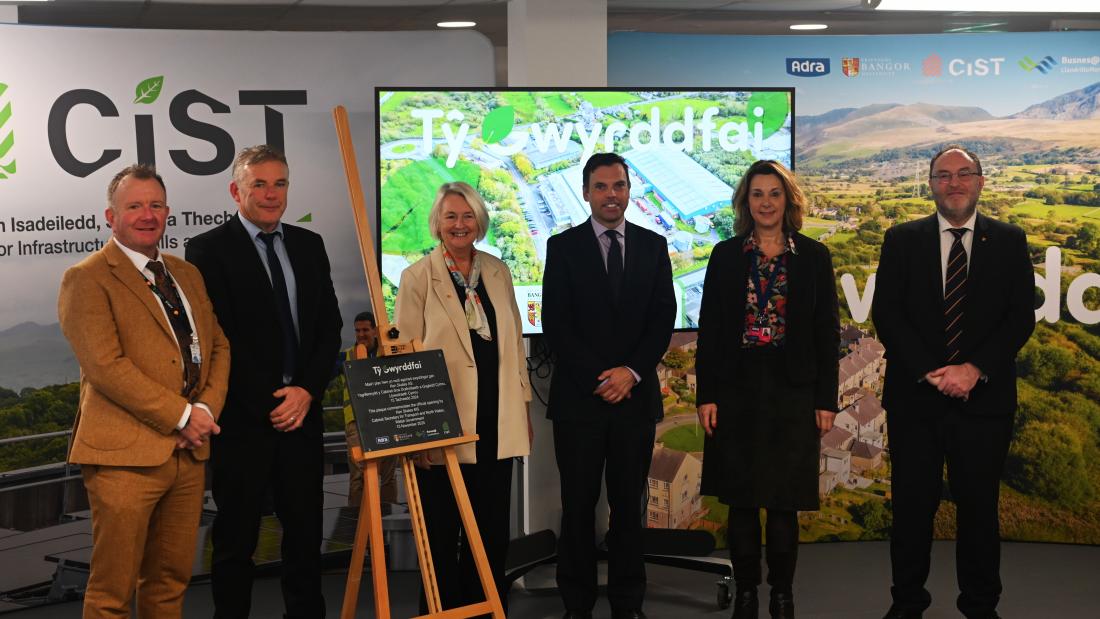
(761, 331)
(196, 352)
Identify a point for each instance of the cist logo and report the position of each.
(7, 135)
(932, 66)
(808, 67)
(1043, 66)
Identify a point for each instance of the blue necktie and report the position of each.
(282, 304)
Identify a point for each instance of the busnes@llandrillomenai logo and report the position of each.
(1043, 66)
(7, 135)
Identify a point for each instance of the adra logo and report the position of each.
(7, 135)
(766, 113)
(145, 95)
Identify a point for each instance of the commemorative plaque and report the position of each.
(402, 400)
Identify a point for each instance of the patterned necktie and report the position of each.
(614, 263)
(165, 289)
(282, 304)
(954, 294)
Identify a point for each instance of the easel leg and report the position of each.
(420, 533)
(477, 548)
(355, 568)
(377, 544)
(368, 529)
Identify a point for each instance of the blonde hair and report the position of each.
(477, 205)
(796, 200)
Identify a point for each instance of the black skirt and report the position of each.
(765, 450)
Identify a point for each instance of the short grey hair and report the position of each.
(253, 155)
(477, 205)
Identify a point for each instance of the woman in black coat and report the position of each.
(767, 364)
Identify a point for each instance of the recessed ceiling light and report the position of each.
(976, 6)
(457, 24)
(809, 26)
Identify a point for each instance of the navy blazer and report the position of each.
(245, 304)
(999, 313)
(589, 332)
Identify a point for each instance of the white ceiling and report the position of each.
(674, 16)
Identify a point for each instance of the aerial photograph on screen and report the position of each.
(524, 152)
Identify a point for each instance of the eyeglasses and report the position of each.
(962, 175)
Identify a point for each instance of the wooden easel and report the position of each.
(369, 526)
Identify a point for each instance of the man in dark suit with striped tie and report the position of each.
(954, 302)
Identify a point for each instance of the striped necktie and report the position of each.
(954, 293)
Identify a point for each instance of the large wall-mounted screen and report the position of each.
(524, 150)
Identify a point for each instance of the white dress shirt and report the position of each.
(141, 261)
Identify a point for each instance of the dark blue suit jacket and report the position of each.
(245, 304)
(588, 332)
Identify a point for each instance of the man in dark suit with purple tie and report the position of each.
(608, 312)
(954, 302)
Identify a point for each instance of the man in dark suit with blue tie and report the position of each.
(608, 312)
(954, 302)
(274, 299)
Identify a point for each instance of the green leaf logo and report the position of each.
(498, 124)
(7, 136)
(148, 90)
(770, 109)
(307, 218)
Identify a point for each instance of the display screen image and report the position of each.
(524, 150)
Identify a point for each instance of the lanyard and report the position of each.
(160, 295)
(763, 293)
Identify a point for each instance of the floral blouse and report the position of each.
(765, 326)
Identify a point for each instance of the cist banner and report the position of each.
(870, 112)
(101, 99)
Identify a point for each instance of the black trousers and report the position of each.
(743, 538)
(289, 467)
(617, 448)
(489, 484)
(974, 449)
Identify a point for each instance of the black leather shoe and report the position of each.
(901, 613)
(628, 614)
(577, 614)
(746, 605)
(782, 605)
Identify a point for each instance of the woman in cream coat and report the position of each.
(461, 301)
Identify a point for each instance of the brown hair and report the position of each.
(950, 147)
(796, 200)
(140, 171)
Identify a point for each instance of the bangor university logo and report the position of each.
(7, 135)
(849, 66)
(1043, 66)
